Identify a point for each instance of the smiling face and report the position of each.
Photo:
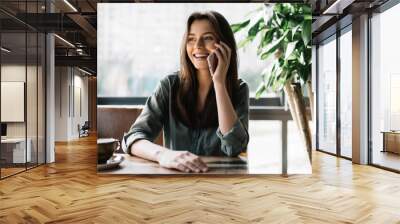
(200, 43)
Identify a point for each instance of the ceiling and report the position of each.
(72, 20)
(332, 15)
(76, 22)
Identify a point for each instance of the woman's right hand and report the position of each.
(181, 160)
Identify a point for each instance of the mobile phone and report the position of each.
(232, 162)
(212, 62)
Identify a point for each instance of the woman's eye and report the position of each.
(209, 38)
(190, 40)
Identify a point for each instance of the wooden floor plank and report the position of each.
(70, 191)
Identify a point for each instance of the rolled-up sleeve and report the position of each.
(150, 121)
(236, 139)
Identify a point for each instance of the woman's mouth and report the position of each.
(201, 56)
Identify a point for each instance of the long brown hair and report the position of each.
(185, 97)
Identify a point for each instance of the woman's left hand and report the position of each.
(223, 53)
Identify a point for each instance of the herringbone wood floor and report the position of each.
(70, 191)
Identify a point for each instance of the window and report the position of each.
(138, 44)
(385, 89)
(327, 95)
(346, 93)
(22, 65)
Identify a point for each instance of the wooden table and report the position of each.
(216, 165)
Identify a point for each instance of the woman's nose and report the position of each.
(199, 43)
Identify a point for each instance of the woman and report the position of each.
(202, 109)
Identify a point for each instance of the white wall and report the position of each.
(33, 126)
(80, 109)
(12, 73)
(71, 94)
(62, 81)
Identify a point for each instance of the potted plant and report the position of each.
(285, 38)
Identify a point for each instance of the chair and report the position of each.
(84, 130)
(113, 122)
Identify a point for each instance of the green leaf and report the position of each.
(307, 17)
(238, 26)
(260, 46)
(272, 77)
(301, 59)
(273, 46)
(293, 56)
(266, 55)
(279, 81)
(276, 21)
(303, 73)
(256, 27)
(294, 30)
(260, 90)
(267, 38)
(244, 42)
(288, 31)
(289, 49)
(306, 9)
(306, 31)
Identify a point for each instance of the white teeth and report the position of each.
(200, 55)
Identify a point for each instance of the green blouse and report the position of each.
(157, 115)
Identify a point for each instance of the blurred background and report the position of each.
(137, 47)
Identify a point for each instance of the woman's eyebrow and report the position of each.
(192, 34)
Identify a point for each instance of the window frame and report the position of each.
(381, 9)
(332, 35)
(25, 30)
(278, 101)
